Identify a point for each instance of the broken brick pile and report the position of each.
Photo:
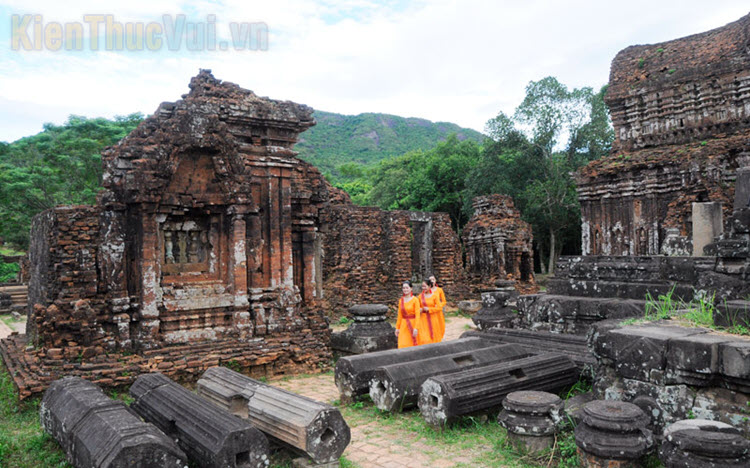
(680, 114)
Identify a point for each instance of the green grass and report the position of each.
(479, 437)
(699, 312)
(23, 444)
(10, 252)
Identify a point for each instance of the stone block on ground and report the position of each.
(444, 398)
(612, 433)
(640, 351)
(370, 331)
(95, 431)
(314, 428)
(211, 436)
(352, 374)
(573, 346)
(396, 387)
(532, 418)
(699, 443)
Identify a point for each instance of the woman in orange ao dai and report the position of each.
(409, 316)
(438, 291)
(433, 324)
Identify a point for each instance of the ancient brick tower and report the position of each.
(681, 113)
(206, 230)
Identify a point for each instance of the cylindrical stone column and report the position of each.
(531, 418)
(612, 434)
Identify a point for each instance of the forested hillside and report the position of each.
(61, 165)
(366, 139)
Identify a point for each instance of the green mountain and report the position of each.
(369, 138)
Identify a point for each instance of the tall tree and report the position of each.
(431, 180)
(59, 166)
(532, 154)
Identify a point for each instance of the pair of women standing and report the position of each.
(420, 318)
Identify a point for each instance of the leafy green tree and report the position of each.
(59, 166)
(431, 180)
(8, 271)
(531, 155)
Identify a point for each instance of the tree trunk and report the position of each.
(540, 252)
(552, 250)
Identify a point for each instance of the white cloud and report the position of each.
(458, 61)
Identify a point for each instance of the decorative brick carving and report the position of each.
(498, 244)
(681, 113)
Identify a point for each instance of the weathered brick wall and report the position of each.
(498, 244)
(681, 114)
(680, 91)
(64, 306)
(370, 252)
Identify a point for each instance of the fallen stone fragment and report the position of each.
(612, 434)
(537, 342)
(96, 431)
(700, 443)
(532, 419)
(316, 429)
(353, 373)
(369, 333)
(211, 436)
(396, 387)
(445, 397)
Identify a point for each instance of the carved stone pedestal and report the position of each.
(370, 331)
(498, 306)
(531, 418)
(612, 434)
(694, 443)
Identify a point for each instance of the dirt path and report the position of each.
(391, 441)
(8, 325)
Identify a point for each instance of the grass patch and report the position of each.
(479, 439)
(449, 311)
(10, 252)
(23, 444)
(699, 312)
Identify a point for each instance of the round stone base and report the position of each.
(589, 460)
(531, 445)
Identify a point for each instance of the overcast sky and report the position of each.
(443, 60)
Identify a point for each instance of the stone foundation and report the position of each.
(674, 372)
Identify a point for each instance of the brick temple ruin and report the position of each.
(498, 244)
(681, 112)
(370, 252)
(213, 243)
(681, 115)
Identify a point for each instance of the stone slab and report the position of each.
(314, 428)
